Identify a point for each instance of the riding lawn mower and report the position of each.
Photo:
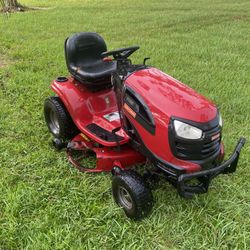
(129, 115)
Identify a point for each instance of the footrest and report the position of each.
(103, 134)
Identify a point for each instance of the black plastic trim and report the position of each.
(201, 151)
(104, 134)
(134, 68)
(61, 79)
(149, 125)
(206, 176)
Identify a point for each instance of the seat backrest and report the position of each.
(83, 50)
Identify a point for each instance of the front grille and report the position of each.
(204, 148)
(211, 146)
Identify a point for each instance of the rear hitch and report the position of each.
(59, 143)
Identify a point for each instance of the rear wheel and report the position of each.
(132, 194)
(58, 119)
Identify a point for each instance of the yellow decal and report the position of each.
(84, 137)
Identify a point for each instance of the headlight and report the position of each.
(220, 120)
(187, 131)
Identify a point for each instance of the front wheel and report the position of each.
(132, 194)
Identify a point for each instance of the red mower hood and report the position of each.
(163, 93)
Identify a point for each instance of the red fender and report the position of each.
(86, 107)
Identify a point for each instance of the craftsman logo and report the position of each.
(129, 110)
(214, 137)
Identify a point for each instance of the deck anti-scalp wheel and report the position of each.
(58, 119)
(132, 194)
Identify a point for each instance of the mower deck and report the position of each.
(122, 156)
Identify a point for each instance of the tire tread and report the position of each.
(67, 126)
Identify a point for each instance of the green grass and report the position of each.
(47, 204)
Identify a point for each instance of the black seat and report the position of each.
(84, 62)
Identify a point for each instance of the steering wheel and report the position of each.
(120, 53)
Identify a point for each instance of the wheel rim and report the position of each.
(125, 198)
(53, 122)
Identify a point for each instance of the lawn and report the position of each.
(47, 204)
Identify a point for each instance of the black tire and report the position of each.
(132, 194)
(58, 119)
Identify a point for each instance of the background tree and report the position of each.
(10, 5)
